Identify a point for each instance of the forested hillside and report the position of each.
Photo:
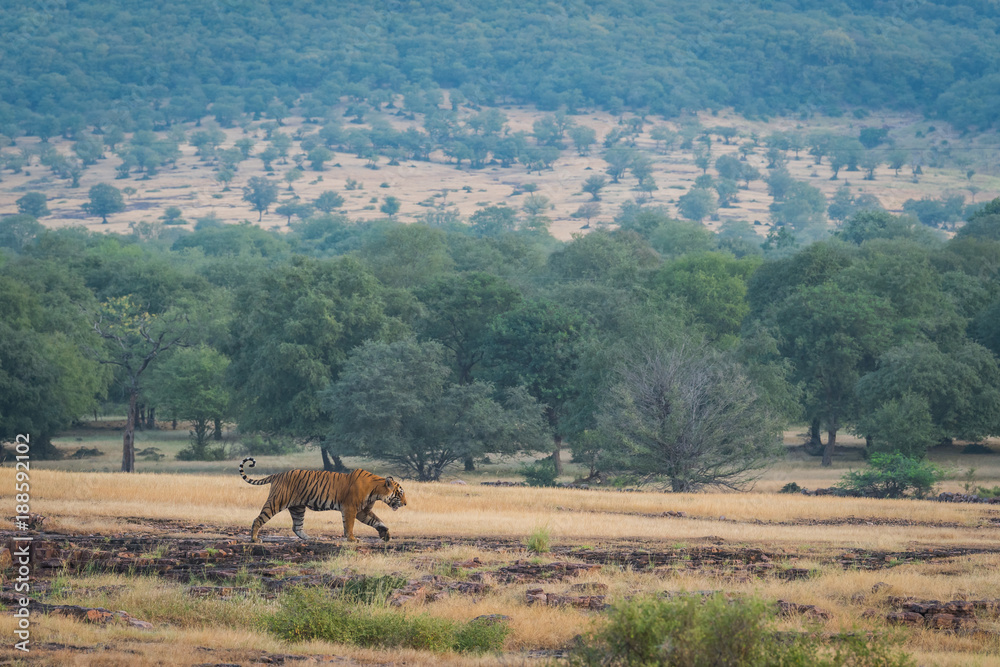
(68, 63)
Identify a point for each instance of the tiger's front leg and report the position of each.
(349, 514)
(368, 517)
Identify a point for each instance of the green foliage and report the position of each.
(397, 402)
(540, 473)
(311, 613)
(696, 632)
(33, 204)
(539, 540)
(891, 476)
(104, 200)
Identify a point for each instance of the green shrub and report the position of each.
(891, 476)
(312, 613)
(538, 541)
(710, 632)
(539, 473)
(791, 487)
(371, 590)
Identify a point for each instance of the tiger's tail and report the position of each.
(265, 480)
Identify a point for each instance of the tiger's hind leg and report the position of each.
(368, 517)
(298, 514)
(264, 516)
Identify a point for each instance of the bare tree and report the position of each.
(689, 417)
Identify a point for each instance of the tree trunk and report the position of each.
(556, 447)
(470, 464)
(128, 439)
(336, 465)
(814, 446)
(151, 418)
(831, 442)
(217, 433)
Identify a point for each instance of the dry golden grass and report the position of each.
(95, 502)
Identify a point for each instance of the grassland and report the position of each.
(854, 556)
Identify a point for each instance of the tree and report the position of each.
(318, 156)
(832, 337)
(803, 206)
(583, 138)
(593, 186)
(17, 232)
(291, 331)
(697, 204)
(493, 221)
(190, 384)
(396, 402)
(328, 200)
(928, 391)
(618, 159)
(225, 176)
(459, 312)
(260, 193)
(390, 206)
(134, 339)
(537, 346)
(587, 211)
(690, 417)
(302, 210)
(104, 200)
(33, 204)
(46, 378)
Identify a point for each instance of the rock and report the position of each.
(786, 608)
(589, 587)
(905, 618)
(491, 619)
(461, 482)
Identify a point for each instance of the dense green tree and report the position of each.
(190, 384)
(33, 204)
(593, 186)
(697, 204)
(537, 346)
(291, 331)
(832, 337)
(17, 232)
(104, 200)
(328, 200)
(459, 310)
(397, 403)
(957, 393)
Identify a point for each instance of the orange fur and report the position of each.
(354, 494)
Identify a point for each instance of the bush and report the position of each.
(312, 613)
(891, 476)
(540, 473)
(538, 542)
(696, 632)
(791, 487)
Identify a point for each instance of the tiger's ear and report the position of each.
(388, 480)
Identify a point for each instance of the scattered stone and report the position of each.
(460, 482)
(539, 596)
(786, 608)
(491, 619)
(221, 592)
(589, 587)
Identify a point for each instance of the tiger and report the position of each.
(353, 493)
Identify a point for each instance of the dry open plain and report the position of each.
(165, 560)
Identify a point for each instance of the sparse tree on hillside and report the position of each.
(260, 193)
(104, 200)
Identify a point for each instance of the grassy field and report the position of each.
(855, 556)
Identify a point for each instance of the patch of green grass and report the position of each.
(307, 614)
(539, 541)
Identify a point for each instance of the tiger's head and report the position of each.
(394, 496)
